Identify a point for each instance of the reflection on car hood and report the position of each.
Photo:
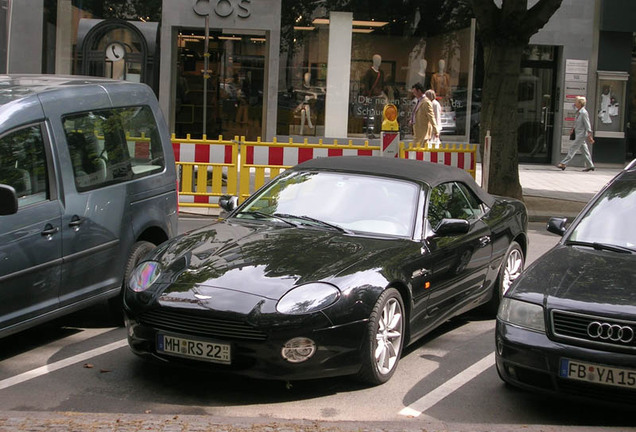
(576, 277)
(263, 259)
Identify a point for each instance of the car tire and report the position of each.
(137, 252)
(383, 342)
(511, 267)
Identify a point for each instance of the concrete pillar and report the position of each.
(64, 38)
(25, 37)
(338, 74)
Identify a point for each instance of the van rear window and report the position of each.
(113, 146)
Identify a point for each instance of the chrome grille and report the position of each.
(201, 325)
(574, 327)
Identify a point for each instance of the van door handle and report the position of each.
(49, 230)
(75, 222)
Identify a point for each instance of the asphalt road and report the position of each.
(81, 364)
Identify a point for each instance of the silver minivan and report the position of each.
(87, 188)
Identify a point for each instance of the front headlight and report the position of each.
(308, 298)
(144, 275)
(522, 314)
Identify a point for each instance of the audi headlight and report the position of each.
(308, 298)
(144, 275)
(522, 314)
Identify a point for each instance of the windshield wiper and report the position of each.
(262, 215)
(316, 221)
(601, 246)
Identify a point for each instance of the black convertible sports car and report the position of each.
(568, 324)
(329, 269)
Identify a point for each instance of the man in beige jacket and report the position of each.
(422, 119)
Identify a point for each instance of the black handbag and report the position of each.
(572, 136)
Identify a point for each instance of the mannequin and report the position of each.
(417, 65)
(422, 71)
(441, 81)
(304, 107)
(373, 80)
(373, 88)
(606, 102)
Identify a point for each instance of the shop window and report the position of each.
(610, 105)
(384, 69)
(394, 45)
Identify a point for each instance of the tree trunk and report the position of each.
(502, 64)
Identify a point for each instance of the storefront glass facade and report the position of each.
(392, 48)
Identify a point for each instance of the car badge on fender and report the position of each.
(203, 297)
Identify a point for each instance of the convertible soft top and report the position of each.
(429, 173)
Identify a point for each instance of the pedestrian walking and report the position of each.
(582, 136)
(437, 113)
(422, 118)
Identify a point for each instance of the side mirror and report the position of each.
(448, 227)
(556, 225)
(8, 200)
(228, 202)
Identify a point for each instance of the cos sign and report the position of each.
(223, 8)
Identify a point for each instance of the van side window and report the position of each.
(23, 164)
(112, 146)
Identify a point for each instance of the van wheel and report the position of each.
(138, 251)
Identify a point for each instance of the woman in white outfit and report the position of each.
(583, 134)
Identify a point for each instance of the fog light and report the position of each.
(298, 350)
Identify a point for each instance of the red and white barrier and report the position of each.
(390, 144)
(215, 152)
(293, 155)
(463, 160)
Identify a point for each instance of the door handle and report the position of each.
(49, 230)
(484, 241)
(75, 222)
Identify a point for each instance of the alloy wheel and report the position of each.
(389, 336)
(513, 268)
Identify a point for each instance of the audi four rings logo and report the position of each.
(612, 332)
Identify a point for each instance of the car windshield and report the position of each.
(340, 201)
(609, 220)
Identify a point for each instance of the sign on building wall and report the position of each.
(576, 72)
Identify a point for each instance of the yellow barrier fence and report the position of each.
(206, 169)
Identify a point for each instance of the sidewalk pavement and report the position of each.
(105, 422)
(549, 191)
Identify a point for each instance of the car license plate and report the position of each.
(597, 374)
(193, 348)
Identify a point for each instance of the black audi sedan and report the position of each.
(330, 269)
(568, 323)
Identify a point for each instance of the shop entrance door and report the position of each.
(537, 101)
(236, 74)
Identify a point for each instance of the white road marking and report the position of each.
(34, 373)
(430, 399)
